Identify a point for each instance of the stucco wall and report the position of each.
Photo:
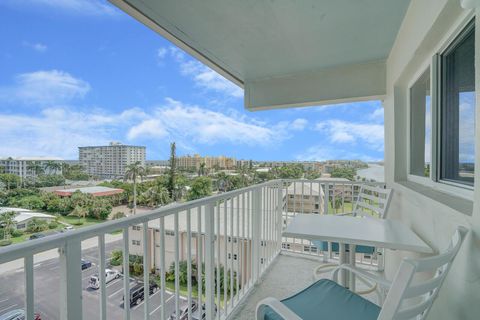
(426, 22)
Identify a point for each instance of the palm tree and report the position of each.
(36, 168)
(7, 219)
(53, 166)
(156, 195)
(171, 185)
(201, 170)
(133, 172)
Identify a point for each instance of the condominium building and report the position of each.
(110, 161)
(194, 162)
(24, 166)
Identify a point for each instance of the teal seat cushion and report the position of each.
(323, 245)
(327, 300)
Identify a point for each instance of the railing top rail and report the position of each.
(51, 242)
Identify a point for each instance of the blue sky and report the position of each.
(80, 72)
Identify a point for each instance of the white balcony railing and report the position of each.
(237, 232)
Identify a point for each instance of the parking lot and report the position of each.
(47, 291)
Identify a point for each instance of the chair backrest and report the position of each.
(372, 202)
(409, 300)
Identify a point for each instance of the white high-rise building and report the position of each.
(110, 161)
(23, 166)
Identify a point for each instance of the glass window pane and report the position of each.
(420, 126)
(458, 110)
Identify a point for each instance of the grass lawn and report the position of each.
(86, 222)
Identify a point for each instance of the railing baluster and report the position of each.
(209, 261)
(217, 242)
(29, 287)
(225, 266)
(162, 267)
(71, 280)
(232, 212)
(248, 262)
(238, 249)
(243, 258)
(101, 273)
(189, 264)
(146, 273)
(256, 233)
(126, 276)
(199, 255)
(177, 265)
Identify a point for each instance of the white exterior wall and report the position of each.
(433, 215)
(110, 161)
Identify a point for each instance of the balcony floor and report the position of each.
(288, 274)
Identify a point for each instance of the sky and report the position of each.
(81, 72)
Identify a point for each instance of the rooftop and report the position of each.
(97, 191)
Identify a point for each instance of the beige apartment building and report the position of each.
(304, 198)
(110, 162)
(194, 162)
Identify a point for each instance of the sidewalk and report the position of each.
(53, 254)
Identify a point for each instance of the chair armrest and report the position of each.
(281, 309)
(362, 273)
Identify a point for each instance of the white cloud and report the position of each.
(83, 7)
(39, 47)
(299, 124)
(204, 77)
(162, 52)
(44, 87)
(199, 125)
(59, 131)
(378, 114)
(340, 131)
(56, 132)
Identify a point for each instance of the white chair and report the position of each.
(406, 299)
(372, 202)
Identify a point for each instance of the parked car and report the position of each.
(18, 314)
(137, 293)
(183, 312)
(37, 236)
(110, 275)
(86, 264)
(68, 228)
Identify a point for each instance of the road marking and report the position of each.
(9, 307)
(3, 300)
(155, 310)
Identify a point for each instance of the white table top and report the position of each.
(379, 233)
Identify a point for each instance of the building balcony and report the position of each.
(237, 232)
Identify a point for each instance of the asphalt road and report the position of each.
(47, 290)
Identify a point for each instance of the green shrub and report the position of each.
(116, 257)
(36, 225)
(52, 225)
(118, 215)
(4, 243)
(17, 233)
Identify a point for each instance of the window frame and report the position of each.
(433, 61)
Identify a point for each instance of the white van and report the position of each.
(110, 275)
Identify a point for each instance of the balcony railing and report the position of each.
(230, 238)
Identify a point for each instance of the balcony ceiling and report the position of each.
(251, 41)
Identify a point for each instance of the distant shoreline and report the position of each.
(374, 171)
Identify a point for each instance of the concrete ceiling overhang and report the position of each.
(284, 52)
